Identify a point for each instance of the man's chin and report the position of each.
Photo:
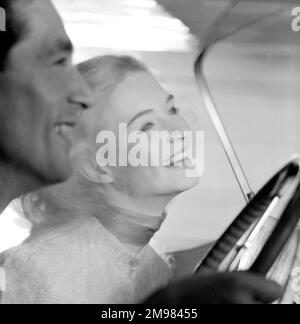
(61, 175)
(59, 166)
(56, 173)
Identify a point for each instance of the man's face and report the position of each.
(41, 96)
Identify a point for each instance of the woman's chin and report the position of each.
(183, 178)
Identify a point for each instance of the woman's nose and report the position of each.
(177, 124)
(178, 129)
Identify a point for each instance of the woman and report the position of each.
(90, 236)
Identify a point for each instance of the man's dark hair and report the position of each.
(13, 33)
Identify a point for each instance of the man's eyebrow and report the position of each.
(142, 113)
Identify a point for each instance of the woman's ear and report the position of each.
(104, 175)
(94, 173)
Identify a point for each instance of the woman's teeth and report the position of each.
(182, 162)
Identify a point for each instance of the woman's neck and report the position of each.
(133, 220)
(132, 223)
(131, 227)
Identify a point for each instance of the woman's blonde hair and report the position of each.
(103, 74)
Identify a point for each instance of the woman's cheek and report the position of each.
(154, 154)
(139, 151)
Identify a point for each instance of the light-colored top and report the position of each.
(80, 262)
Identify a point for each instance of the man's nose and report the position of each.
(81, 94)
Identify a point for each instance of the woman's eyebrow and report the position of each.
(148, 111)
(142, 113)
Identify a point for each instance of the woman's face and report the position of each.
(141, 106)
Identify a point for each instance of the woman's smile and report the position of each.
(180, 159)
(183, 163)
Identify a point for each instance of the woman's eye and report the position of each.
(147, 127)
(174, 111)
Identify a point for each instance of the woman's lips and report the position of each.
(178, 157)
(180, 161)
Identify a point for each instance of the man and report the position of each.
(41, 98)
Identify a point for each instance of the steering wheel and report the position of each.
(239, 247)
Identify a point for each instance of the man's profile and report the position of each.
(42, 96)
